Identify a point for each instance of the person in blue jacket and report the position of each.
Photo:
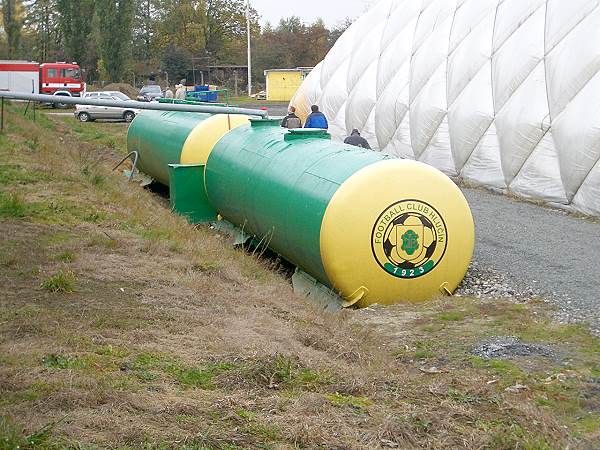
(316, 119)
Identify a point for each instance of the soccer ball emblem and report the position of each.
(409, 239)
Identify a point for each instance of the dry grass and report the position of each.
(171, 339)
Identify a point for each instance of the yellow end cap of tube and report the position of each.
(397, 231)
(206, 134)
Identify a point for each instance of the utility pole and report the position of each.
(235, 81)
(193, 71)
(249, 48)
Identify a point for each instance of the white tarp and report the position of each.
(504, 93)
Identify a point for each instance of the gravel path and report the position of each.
(524, 251)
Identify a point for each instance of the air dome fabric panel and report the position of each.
(502, 93)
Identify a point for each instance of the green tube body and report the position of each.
(158, 137)
(373, 228)
(277, 186)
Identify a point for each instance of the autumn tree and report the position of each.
(117, 38)
(75, 23)
(13, 22)
(291, 44)
(41, 31)
(176, 62)
(115, 32)
(181, 23)
(144, 28)
(225, 26)
(336, 32)
(318, 36)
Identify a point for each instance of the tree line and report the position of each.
(133, 40)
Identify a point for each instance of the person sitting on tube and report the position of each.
(291, 120)
(316, 119)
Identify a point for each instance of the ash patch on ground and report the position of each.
(508, 347)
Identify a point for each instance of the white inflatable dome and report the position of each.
(504, 93)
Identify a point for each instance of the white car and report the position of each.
(87, 113)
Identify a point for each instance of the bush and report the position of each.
(12, 206)
(61, 282)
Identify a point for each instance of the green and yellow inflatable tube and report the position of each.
(373, 228)
(163, 138)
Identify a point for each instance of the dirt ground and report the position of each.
(125, 88)
(124, 327)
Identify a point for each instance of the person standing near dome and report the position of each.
(316, 119)
(357, 140)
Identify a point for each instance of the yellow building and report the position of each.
(282, 84)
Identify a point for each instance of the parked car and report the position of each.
(262, 95)
(87, 113)
(149, 93)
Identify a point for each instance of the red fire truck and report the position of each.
(49, 78)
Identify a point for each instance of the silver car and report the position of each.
(87, 113)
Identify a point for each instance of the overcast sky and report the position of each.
(331, 11)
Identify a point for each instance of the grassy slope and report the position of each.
(121, 326)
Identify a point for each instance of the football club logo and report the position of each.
(409, 239)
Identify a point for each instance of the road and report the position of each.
(546, 249)
(275, 109)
